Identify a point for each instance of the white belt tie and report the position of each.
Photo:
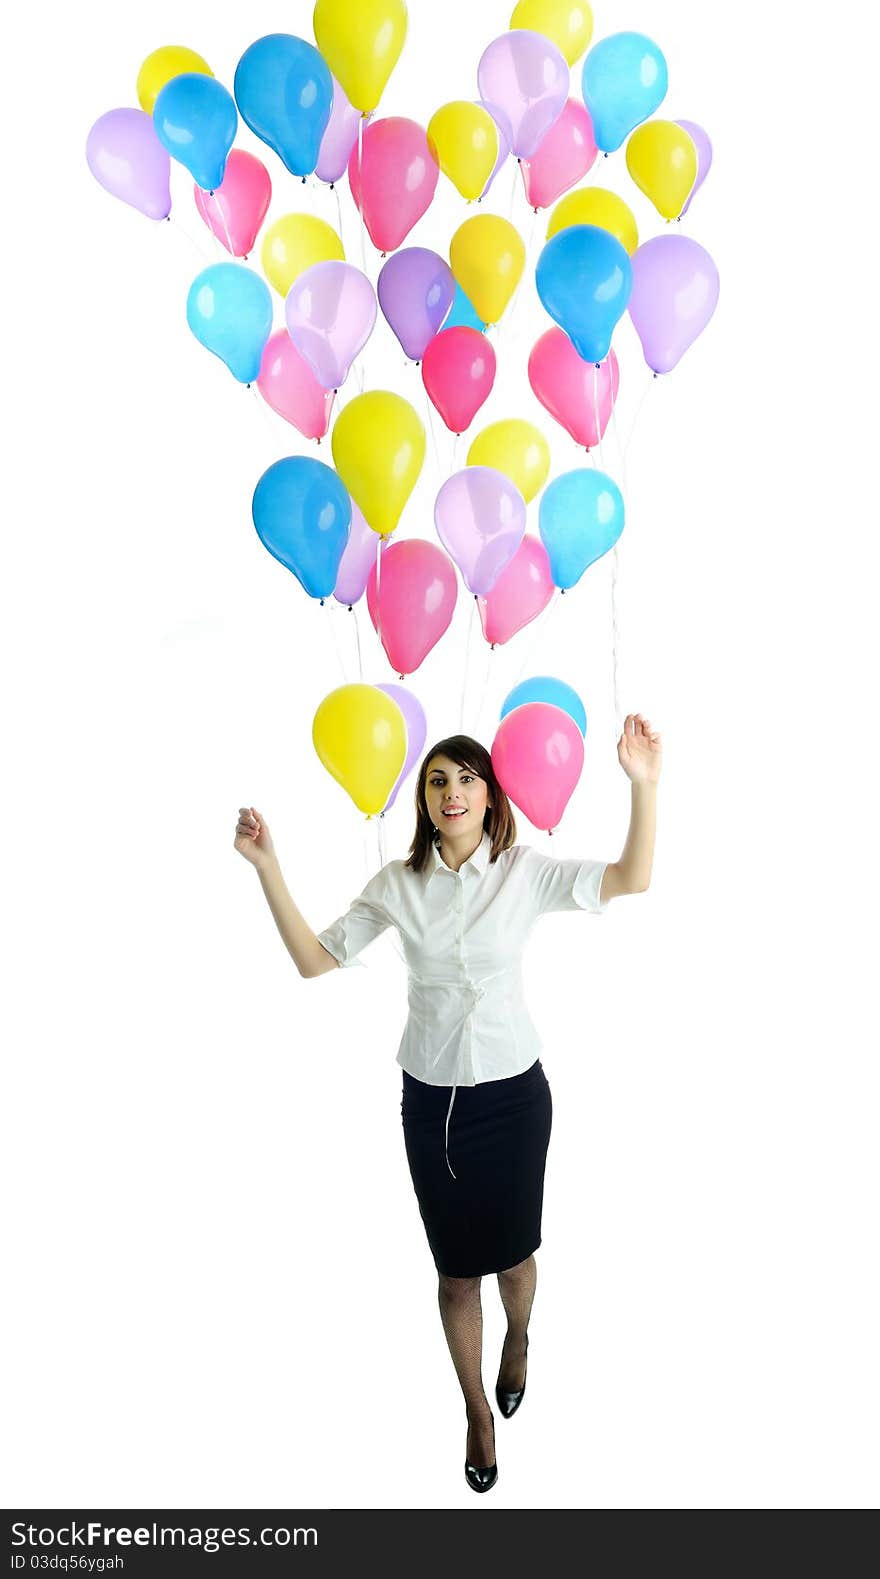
(477, 992)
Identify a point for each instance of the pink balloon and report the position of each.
(331, 311)
(397, 182)
(578, 394)
(527, 77)
(235, 210)
(288, 385)
(339, 138)
(522, 590)
(480, 516)
(538, 754)
(418, 588)
(458, 371)
(358, 559)
(567, 152)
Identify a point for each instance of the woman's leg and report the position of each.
(517, 1287)
(462, 1316)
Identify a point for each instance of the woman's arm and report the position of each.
(639, 752)
(254, 842)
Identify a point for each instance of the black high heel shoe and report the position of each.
(481, 1478)
(508, 1403)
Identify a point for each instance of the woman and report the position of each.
(464, 902)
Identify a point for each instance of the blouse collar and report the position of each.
(479, 859)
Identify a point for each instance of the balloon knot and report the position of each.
(349, 608)
(322, 602)
(518, 160)
(303, 180)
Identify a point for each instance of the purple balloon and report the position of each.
(505, 139)
(701, 142)
(416, 731)
(674, 294)
(416, 289)
(339, 138)
(126, 156)
(330, 312)
(481, 519)
(358, 559)
(527, 78)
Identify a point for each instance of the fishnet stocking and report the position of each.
(462, 1315)
(517, 1288)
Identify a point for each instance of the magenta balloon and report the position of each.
(674, 294)
(127, 158)
(480, 517)
(358, 559)
(339, 138)
(701, 142)
(538, 754)
(505, 138)
(416, 731)
(527, 78)
(418, 589)
(416, 289)
(330, 312)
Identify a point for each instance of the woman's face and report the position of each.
(456, 797)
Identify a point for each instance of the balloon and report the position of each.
(330, 312)
(527, 77)
(592, 205)
(464, 140)
(360, 737)
(289, 386)
(463, 312)
(229, 310)
(505, 138)
(159, 68)
(516, 448)
(378, 449)
(567, 23)
(584, 278)
(703, 146)
(416, 291)
(236, 209)
(662, 160)
(487, 257)
(284, 92)
(302, 513)
(538, 755)
(195, 120)
(580, 517)
(392, 178)
(522, 590)
(339, 138)
(293, 244)
(567, 152)
(418, 589)
(578, 394)
(624, 80)
(545, 688)
(126, 157)
(357, 560)
(361, 42)
(458, 371)
(416, 731)
(675, 292)
(480, 518)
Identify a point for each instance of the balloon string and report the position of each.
(653, 380)
(513, 191)
(455, 440)
(204, 255)
(467, 652)
(378, 596)
(480, 710)
(596, 411)
(433, 436)
(361, 191)
(335, 190)
(541, 623)
(264, 410)
(615, 643)
(357, 636)
(621, 456)
(325, 604)
(219, 207)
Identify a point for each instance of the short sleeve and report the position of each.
(365, 919)
(565, 885)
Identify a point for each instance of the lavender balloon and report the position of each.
(674, 294)
(481, 519)
(125, 155)
(701, 142)
(416, 289)
(358, 559)
(330, 312)
(416, 730)
(527, 78)
(505, 139)
(339, 138)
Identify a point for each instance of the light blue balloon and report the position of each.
(623, 81)
(284, 91)
(463, 311)
(545, 688)
(195, 120)
(302, 514)
(584, 279)
(229, 309)
(580, 517)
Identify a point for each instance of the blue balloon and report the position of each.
(302, 514)
(284, 91)
(623, 81)
(579, 518)
(229, 309)
(463, 311)
(584, 278)
(195, 120)
(544, 688)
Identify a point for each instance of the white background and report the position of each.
(220, 1293)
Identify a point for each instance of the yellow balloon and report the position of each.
(662, 160)
(359, 734)
(569, 25)
(361, 42)
(464, 140)
(172, 60)
(378, 449)
(516, 448)
(487, 257)
(592, 205)
(293, 243)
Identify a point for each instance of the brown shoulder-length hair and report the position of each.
(498, 821)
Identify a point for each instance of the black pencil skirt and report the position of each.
(481, 1208)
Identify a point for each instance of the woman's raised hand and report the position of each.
(639, 751)
(252, 837)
